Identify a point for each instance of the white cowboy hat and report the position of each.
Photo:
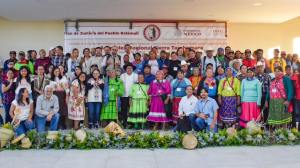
(260, 63)
(183, 62)
(199, 50)
(210, 49)
(234, 61)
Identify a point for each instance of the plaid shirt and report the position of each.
(265, 80)
(58, 60)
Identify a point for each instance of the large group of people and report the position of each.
(158, 89)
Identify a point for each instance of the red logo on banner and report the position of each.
(151, 32)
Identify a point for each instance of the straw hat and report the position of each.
(5, 136)
(18, 139)
(253, 127)
(231, 131)
(209, 49)
(199, 50)
(183, 62)
(115, 129)
(234, 62)
(26, 144)
(189, 141)
(260, 63)
(80, 135)
(52, 135)
(69, 137)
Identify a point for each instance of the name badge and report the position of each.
(178, 89)
(274, 90)
(175, 68)
(229, 88)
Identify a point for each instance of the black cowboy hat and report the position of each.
(127, 65)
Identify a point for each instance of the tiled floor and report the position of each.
(219, 157)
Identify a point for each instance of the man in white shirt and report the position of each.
(127, 49)
(99, 60)
(47, 108)
(113, 61)
(186, 105)
(209, 59)
(128, 78)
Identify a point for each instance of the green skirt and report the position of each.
(109, 111)
(277, 114)
(138, 111)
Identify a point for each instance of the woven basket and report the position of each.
(189, 141)
(5, 136)
(115, 129)
(26, 144)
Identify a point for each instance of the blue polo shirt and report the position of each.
(207, 106)
(149, 78)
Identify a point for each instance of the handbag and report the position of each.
(184, 124)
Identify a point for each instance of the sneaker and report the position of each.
(96, 126)
(91, 126)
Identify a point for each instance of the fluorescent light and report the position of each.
(257, 4)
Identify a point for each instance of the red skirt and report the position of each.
(250, 111)
(175, 105)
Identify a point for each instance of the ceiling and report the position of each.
(254, 11)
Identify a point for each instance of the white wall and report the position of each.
(37, 35)
(23, 36)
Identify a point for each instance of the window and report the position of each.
(296, 45)
(271, 52)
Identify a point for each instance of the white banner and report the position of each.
(143, 36)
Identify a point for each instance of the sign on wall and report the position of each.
(143, 36)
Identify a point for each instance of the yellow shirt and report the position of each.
(230, 87)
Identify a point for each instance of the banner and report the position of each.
(143, 36)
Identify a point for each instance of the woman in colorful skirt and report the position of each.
(113, 88)
(77, 100)
(158, 89)
(280, 96)
(296, 80)
(229, 98)
(178, 91)
(250, 98)
(138, 103)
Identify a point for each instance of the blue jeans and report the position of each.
(41, 123)
(94, 112)
(199, 124)
(24, 126)
(7, 116)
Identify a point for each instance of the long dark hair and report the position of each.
(79, 67)
(19, 78)
(20, 97)
(52, 74)
(92, 76)
(79, 82)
